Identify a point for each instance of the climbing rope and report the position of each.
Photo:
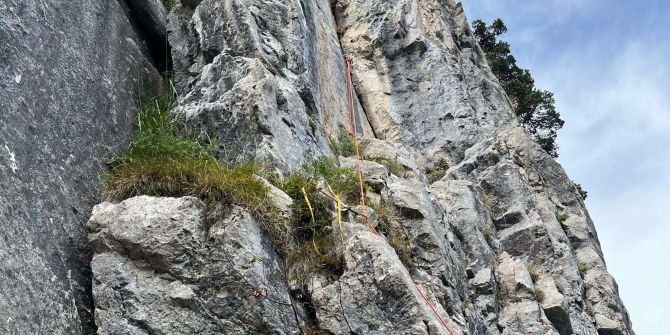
(425, 298)
(354, 126)
(313, 226)
(339, 213)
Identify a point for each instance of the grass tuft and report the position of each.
(168, 4)
(345, 144)
(314, 177)
(438, 171)
(389, 224)
(162, 162)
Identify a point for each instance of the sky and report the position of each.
(608, 64)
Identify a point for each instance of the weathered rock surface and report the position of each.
(69, 74)
(170, 266)
(500, 242)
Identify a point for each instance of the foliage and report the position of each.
(388, 219)
(535, 108)
(534, 272)
(391, 165)
(488, 233)
(162, 162)
(314, 236)
(583, 269)
(345, 144)
(502, 294)
(582, 193)
(168, 4)
(438, 171)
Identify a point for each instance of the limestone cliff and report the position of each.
(499, 240)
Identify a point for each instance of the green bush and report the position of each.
(345, 144)
(313, 237)
(581, 191)
(438, 171)
(168, 4)
(391, 165)
(162, 162)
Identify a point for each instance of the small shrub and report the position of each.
(314, 236)
(162, 162)
(391, 165)
(534, 272)
(388, 219)
(488, 233)
(583, 269)
(498, 256)
(580, 190)
(438, 171)
(502, 294)
(169, 4)
(345, 144)
(563, 217)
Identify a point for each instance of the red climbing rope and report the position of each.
(425, 298)
(353, 126)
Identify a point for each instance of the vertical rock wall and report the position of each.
(69, 74)
(499, 241)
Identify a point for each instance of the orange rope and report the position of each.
(446, 326)
(354, 126)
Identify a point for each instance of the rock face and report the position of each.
(495, 238)
(69, 74)
(169, 266)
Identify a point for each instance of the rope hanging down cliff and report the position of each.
(353, 130)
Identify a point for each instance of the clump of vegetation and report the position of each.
(535, 108)
(583, 269)
(488, 233)
(534, 272)
(563, 217)
(438, 171)
(502, 294)
(345, 144)
(581, 191)
(160, 161)
(539, 294)
(391, 165)
(388, 219)
(311, 239)
(168, 4)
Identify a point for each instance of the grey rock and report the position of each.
(69, 77)
(483, 281)
(160, 267)
(267, 80)
(374, 173)
(359, 301)
(554, 305)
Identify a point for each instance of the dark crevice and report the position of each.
(147, 26)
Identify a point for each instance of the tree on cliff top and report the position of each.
(535, 108)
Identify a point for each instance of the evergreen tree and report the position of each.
(535, 108)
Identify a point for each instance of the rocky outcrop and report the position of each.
(495, 234)
(68, 90)
(477, 230)
(171, 266)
